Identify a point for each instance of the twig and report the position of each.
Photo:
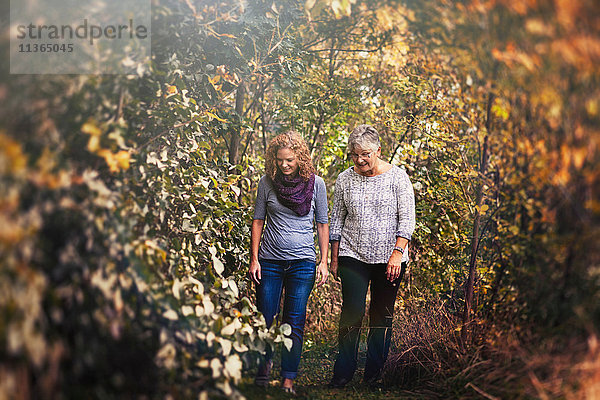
(538, 386)
(473, 366)
(481, 392)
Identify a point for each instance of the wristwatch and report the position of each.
(400, 249)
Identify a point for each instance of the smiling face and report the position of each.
(365, 160)
(287, 162)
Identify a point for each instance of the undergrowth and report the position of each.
(428, 361)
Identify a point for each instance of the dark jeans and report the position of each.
(298, 278)
(356, 277)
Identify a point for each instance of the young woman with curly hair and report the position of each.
(282, 253)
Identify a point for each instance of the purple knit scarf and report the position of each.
(294, 192)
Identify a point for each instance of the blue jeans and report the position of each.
(356, 277)
(298, 278)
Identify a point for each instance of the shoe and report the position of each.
(337, 383)
(262, 377)
(289, 390)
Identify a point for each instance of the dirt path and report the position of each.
(315, 372)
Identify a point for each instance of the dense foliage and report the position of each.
(125, 201)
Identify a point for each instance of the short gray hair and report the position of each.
(364, 136)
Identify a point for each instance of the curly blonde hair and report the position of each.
(289, 140)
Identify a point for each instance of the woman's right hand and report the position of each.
(254, 271)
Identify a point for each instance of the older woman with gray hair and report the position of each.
(372, 222)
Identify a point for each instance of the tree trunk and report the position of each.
(476, 224)
(236, 133)
(317, 131)
(498, 279)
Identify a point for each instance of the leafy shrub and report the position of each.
(116, 256)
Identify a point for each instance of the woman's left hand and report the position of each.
(394, 267)
(322, 273)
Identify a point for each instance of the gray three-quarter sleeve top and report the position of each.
(370, 212)
(288, 236)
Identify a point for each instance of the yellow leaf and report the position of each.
(537, 26)
(214, 116)
(591, 106)
(122, 158)
(91, 128)
(11, 155)
(114, 161)
(578, 157)
(93, 144)
(171, 89)
(484, 208)
(110, 159)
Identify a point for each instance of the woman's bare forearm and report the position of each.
(255, 235)
(323, 235)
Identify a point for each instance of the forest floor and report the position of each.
(547, 370)
(315, 373)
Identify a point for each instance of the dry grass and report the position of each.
(424, 344)
(498, 363)
(502, 360)
(323, 309)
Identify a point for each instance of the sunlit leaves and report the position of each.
(511, 57)
(340, 8)
(12, 158)
(115, 161)
(171, 315)
(144, 243)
